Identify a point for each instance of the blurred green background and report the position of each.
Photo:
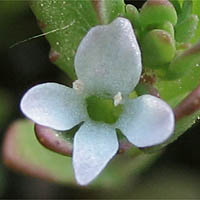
(176, 174)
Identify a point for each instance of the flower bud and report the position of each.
(132, 14)
(53, 140)
(167, 26)
(158, 48)
(157, 12)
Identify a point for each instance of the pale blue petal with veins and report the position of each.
(108, 59)
(54, 105)
(94, 145)
(146, 121)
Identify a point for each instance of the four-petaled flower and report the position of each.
(108, 66)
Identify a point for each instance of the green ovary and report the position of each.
(103, 110)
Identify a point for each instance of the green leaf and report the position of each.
(196, 7)
(23, 152)
(107, 11)
(186, 10)
(177, 6)
(196, 10)
(186, 29)
(69, 21)
(185, 62)
(196, 38)
(173, 91)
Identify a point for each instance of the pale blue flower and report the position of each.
(108, 65)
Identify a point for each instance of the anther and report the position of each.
(78, 85)
(117, 99)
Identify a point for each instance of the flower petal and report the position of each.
(146, 121)
(53, 105)
(94, 145)
(108, 59)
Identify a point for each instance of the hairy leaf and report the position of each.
(69, 21)
(23, 152)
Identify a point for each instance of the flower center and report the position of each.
(104, 110)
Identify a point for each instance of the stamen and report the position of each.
(117, 99)
(78, 86)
